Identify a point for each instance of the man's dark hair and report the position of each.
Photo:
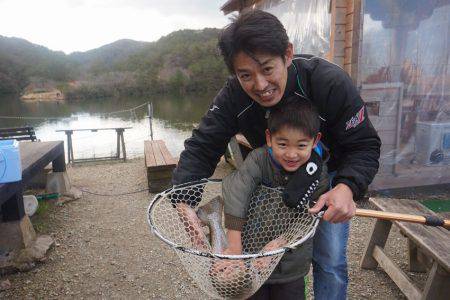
(296, 114)
(252, 32)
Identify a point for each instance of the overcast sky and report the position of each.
(80, 25)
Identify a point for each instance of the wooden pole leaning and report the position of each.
(425, 220)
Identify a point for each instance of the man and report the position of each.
(257, 52)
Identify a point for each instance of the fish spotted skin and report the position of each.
(211, 214)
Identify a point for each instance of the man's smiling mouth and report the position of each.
(267, 93)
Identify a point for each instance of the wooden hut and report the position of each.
(397, 53)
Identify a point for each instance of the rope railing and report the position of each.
(73, 117)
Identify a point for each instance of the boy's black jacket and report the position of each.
(347, 131)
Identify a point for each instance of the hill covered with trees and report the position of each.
(184, 61)
(21, 62)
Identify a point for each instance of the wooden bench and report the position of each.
(18, 133)
(160, 164)
(429, 250)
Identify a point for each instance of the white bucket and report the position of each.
(30, 204)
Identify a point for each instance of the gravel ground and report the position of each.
(104, 248)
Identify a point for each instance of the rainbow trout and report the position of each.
(211, 214)
(225, 274)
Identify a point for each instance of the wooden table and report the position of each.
(429, 250)
(120, 142)
(34, 156)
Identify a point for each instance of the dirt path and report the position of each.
(104, 248)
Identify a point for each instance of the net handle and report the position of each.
(429, 220)
(155, 231)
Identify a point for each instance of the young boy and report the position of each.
(292, 148)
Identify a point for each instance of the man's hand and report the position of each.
(339, 200)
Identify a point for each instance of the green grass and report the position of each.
(39, 220)
(42, 208)
(437, 205)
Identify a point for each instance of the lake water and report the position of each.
(174, 117)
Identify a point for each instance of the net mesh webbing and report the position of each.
(271, 228)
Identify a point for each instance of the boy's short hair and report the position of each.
(252, 32)
(297, 114)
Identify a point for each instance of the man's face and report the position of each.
(263, 76)
(291, 148)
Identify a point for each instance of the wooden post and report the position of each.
(438, 284)
(68, 147)
(414, 264)
(397, 275)
(70, 157)
(13, 209)
(123, 144)
(337, 34)
(353, 37)
(378, 237)
(150, 117)
(59, 164)
(118, 143)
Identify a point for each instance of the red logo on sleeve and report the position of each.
(355, 120)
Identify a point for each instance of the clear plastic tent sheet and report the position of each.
(307, 23)
(404, 77)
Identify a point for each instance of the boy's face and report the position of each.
(263, 76)
(291, 148)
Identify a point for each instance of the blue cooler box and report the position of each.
(10, 167)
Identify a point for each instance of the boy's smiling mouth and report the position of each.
(291, 163)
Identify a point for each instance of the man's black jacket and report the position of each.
(346, 129)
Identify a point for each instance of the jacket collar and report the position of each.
(291, 85)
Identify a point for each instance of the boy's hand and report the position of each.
(263, 262)
(339, 200)
(234, 241)
(275, 244)
(232, 251)
(226, 270)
